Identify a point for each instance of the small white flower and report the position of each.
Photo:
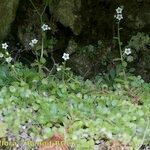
(127, 51)
(4, 45)
(58, 68)
(45, 27)
(1, 55)
(119, 10)
(8, 59)
(34, 41)
(119, 17)
(31, 44)
(65, 56)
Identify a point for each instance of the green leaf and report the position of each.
(124, 64)
(3, 128)
(43, 60)
(47, 132)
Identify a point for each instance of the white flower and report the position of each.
(8, 59)
(45, 27)
(119, 10)
(127, 51)
(31, 44)
(4, 45)
(34, 41)
(1, 55)
(119, 17)
(65, 56)
(58, 68)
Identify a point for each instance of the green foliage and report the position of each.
(140, 41)
(89, 110)
(140, 44)
(34, 105)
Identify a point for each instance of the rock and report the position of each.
(136, 14)
(7, 12)
(67, 13)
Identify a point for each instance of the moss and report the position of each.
(7, 13)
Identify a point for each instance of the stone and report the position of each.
(8, 10)
(67, 13)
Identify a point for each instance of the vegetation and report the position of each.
(34, 107)
(111, 110)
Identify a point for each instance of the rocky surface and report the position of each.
(8, 10)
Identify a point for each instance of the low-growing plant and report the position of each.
(82, 111)
(35, 105)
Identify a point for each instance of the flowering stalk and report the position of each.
(63, 72)
(119, 17)
(120, 50)
(42, 36)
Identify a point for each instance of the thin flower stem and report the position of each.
(42, 47)
(63, 71)
(41, 18)
(44, 8)
(38, 62)
(42, 38)
(120, 50)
